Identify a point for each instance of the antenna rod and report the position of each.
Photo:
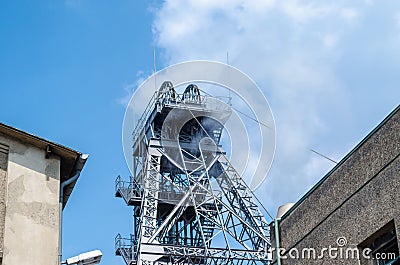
(229, 90)
(323, 156)
(155, 67)
(154, 57)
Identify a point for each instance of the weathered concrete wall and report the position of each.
(31, 223)
(3, 185)
(355, 201)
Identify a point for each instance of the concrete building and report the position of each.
(36, 179)
(353, 212)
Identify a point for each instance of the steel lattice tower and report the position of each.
(190, 205)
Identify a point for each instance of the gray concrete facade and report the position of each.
(3, 184)
(353, 202)
(31, 212)
(31, 172)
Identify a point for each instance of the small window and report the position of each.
(387, 251)
(383, 245)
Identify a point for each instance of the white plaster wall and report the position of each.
(31, 226)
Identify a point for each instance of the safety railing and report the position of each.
(127, 248)
(161, 99)
(128, 190)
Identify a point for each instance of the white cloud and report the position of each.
(397, 19)
(295, 51)
(129, 89)
(302, 12)
(349, 14)
(330, 40)
(369, 2)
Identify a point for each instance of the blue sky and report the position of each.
(330, 70)
(63, 69)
